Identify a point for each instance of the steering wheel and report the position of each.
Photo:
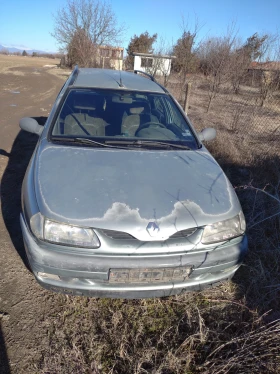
(148, 124)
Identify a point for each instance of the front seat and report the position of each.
(139, 114)
(85, 119)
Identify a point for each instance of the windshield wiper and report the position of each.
(122, 143)
(152, 143)
(83, 141)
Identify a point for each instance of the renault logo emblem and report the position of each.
(153, 229)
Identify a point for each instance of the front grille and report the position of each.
(183, 233)
(118, 235)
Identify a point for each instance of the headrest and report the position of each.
(139, 107)
(138, 110)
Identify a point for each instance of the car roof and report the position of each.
(115, 79)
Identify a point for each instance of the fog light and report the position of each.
(48, 276)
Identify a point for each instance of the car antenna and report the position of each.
(121, 84)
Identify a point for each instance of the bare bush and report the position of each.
(269, 84)
(239, 62)
(226, 60)
(215, 62)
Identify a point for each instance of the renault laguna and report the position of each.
(121, 198)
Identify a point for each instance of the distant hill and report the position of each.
(29, 51)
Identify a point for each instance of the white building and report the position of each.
(153, 64)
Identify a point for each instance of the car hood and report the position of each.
(125, 190)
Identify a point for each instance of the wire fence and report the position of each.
(247, 128)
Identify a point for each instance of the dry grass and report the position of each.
(191, 333)
(61, 73)
(210, 332)
(245, 130)
(7, 61)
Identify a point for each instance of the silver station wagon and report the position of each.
(121, 198)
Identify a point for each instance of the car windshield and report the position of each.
(114, 115)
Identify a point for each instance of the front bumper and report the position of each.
(88, 274)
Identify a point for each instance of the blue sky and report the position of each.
(28, 23)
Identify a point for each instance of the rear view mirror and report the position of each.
(31, 125)
(121, 99)
(207, 134)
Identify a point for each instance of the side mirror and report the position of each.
(31, 125)
(207, 134)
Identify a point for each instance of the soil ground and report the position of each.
(28, 88)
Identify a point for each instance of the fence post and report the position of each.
(187, 97)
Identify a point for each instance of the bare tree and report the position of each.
(81, 50)
(85, 22)
(215, 62)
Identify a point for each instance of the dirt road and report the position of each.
(28, 88)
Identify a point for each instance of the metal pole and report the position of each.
(187, 97)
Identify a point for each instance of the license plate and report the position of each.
(149, 275)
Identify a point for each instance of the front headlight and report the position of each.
(224, 230)
(63, 234)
